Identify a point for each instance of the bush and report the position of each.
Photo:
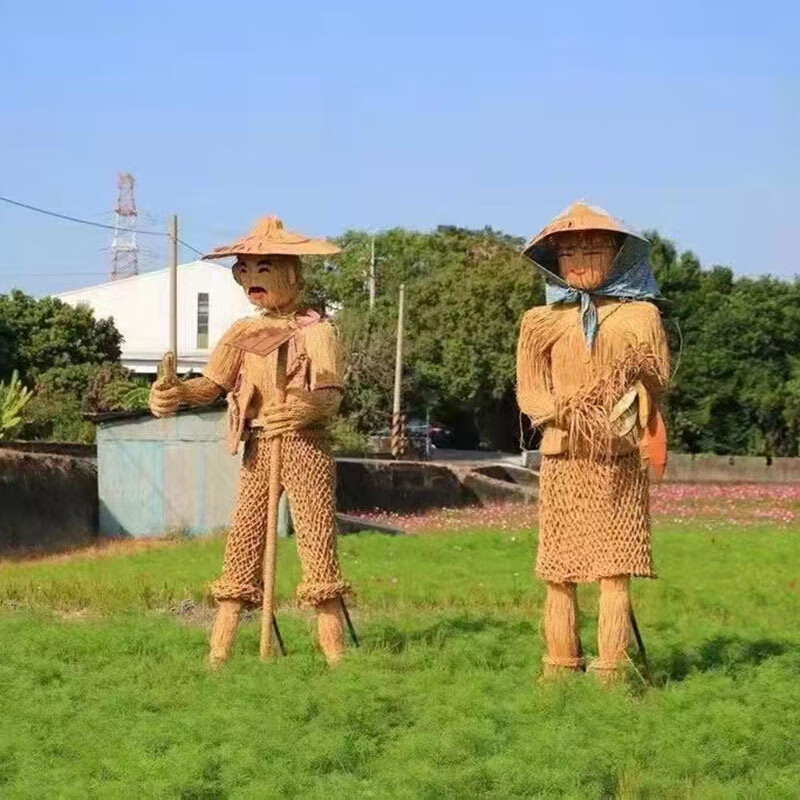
(62, 395)
(57, 417)
(113, 388)
(346, 437)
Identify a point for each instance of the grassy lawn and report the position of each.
(103, 692)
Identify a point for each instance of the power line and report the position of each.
(189, 247)
(77, 219)
(70, 218)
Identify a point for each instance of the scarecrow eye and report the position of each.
(263, 266)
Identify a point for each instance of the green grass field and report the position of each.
(103, 691)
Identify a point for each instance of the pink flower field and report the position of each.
(702, 505)
(727, 504)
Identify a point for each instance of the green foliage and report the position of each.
(346, 437)
(736, 389)
(466, 291)
(62, 395)
(13, 399)
(736, 341)
(441, 700)
(37, 335)
(113, 388)
(56, 417)
(57, 350)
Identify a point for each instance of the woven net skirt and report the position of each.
(594, 519)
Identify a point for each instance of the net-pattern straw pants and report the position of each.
(308, 475)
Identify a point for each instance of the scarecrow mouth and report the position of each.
(254, 291)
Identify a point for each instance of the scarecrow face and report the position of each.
(270, 282)
(585, 257)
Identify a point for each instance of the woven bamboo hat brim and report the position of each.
(269, 238)
(578, 217)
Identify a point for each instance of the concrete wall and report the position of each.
(685, 468)
(46, 500)
(367, 484)
(703, 468)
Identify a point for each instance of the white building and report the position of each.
(209, 301)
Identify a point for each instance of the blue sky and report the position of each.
(681, 116)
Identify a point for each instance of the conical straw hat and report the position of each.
(269, 237)
(578, 217)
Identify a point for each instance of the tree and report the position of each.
(36, 335)
(736, 343)
(466, 291)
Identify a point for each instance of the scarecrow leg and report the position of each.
(241, 580)
(330, 629)
(309, 477)
(561, 630)
(613, 626)
(223, 633)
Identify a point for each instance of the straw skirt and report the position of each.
(594, 519)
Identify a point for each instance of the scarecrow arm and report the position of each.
(651, 337)
(302, 409)
(165, 400)
(534, 397)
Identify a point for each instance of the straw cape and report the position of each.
(269, 237)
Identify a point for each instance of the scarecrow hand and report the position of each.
(166, 393)
(634, 407)
(302, 409)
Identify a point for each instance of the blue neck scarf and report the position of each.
(630, 279)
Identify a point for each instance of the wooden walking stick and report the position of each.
(270, 547)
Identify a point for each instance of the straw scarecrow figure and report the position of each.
(592, 366)
(281, 373)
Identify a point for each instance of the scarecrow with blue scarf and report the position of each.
(592, 366)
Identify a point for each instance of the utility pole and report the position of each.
(173, 287)
(399, 439)
(372, 275)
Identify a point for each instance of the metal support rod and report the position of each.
(277, 631)
(173, 287)
(349, 622)
(640, 645)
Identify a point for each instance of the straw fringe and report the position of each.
(587, 412)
